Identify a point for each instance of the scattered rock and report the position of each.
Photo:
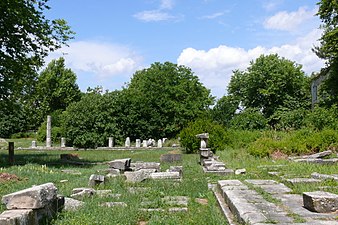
(114, 204)
(80, 193)
(169, 158)
(202, 201)
(95, 180)
(72, 204)
(121, 164)
(320, 201)
(240, 171)
(139, 175)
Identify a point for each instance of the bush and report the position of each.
(289, 119)
(27, 134)
(217, 136)
(242, 138)
(249, 119)
(296, 142)
(320, 118)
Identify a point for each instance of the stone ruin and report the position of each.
(210, 163)
(32, 206)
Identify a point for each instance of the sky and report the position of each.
(115, 38)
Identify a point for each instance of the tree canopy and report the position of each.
(270, 83)
(26, 37)
(160, 100)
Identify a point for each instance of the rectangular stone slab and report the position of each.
(320, 201)
(18, 216)
(31, 198)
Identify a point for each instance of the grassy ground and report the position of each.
(37, 167)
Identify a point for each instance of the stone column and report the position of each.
(49, 132)
(144, 143)
(63, 142)
(159, 143)
(33, 144)
(111, 142)
(138, 143)
(127, 143)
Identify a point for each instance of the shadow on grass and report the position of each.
(51, 160)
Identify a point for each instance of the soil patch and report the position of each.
(5, 177)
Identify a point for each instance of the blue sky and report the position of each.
(115, 38)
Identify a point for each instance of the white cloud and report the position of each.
(167, 4)
(214, 66)
(289, 21)
(153, 16)
(272, 4)
(103, 63)
(213, 16)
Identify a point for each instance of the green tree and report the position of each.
(328, 50)
(225, 109)
(55, 89)
(270, 83)
(89, 122)
(160, 100)
(26, 37)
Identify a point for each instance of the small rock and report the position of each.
(240, 171)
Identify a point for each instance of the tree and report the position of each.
(225, 109)
(328, 50)
(270, 83)
(89, 122)
(26, 37)
(160, 100)
(55, 89)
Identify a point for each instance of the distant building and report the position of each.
(316, 82)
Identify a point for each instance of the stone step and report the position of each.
(249, 207)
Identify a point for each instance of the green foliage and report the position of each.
(249, 119)
(55, 89)
(91, 121)
(224, 110)
(320, 118)
(218, 137)
(284, 119)
(242, 138)
(160, 100)
(270, 82)
(12, 118)
(295, 142)
(26, 37)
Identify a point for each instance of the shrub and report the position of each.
(217, 136)
(320, 118)
(249, 119)
(289, 119)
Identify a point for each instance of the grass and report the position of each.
(37, 167)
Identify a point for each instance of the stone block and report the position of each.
(18, 217)
(139, 175)
(176, 169)
(31, 198)
(165, 175)
(82, 192)
(72, 204)
(121, 164)
(320, 201)
(294, 181)
(146, 165)
(240, 171)
(171, 158)
(114, 204)
(95, 180)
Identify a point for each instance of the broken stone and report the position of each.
(320, 201)
(72, 204)
(176, 209)
(114, 204)
(95, 180)
(121, 164)
(104, 193)
(202, 201)
(169, 158)
(240, 171)
(165, 175)
(82, 192)
(73, 172)
(18, 217)
(176, 200)
(324, 176)
(139, 175)
(35, 197)
(320, 154)
(176, 169)
(294, 181)
(138, 143)
(137, 190)
(145, 165)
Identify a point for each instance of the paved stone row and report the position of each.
(249, 207)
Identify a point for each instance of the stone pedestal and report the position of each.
(159, 143)
(138, 143)
(63, 142)
(127, 142)
(33, 144)
(144, 143)
(111, 142)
